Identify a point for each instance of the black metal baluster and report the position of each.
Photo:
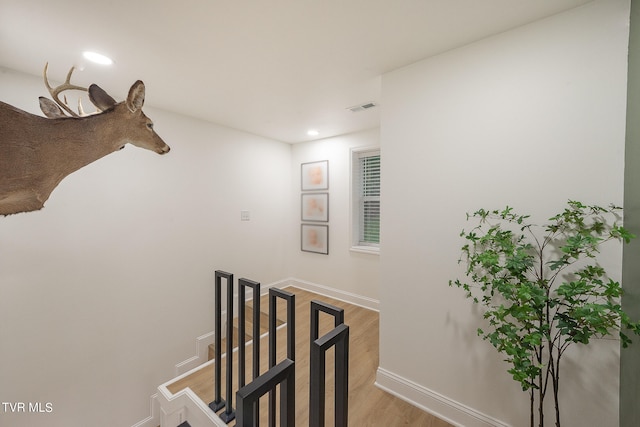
(317, 372)
(291, 345)
(241, 333)
(255, 286)
(218, 403)
(272, 355)
(342, 378)
(339, 337)
(229, 414)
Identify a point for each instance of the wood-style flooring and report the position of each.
(368, 405)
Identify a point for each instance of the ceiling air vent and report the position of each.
(362, 107)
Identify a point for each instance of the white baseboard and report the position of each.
(351, 298)
(152, 420)
(432, 402)
(201, 356)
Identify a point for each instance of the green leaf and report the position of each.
(540, 287)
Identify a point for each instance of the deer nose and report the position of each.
(165, 149)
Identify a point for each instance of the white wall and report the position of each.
(347, 271)
(105, 290)
(530, 118)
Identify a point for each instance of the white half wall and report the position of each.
(530, 118)
(104, 290)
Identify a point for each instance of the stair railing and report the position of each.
(282, 374)
(218, 403)
(339, 337)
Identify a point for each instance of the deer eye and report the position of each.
(150, 126)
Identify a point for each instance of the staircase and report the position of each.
(208, 395)
(264, 329)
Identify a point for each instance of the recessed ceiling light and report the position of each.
(313, 132)
(97, 58)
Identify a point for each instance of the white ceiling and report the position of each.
(270, 67)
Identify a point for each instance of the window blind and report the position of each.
(367, 179)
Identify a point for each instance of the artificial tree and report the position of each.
(542, 289)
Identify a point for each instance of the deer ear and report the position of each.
(100, 98)
(50, 108)
(135, 100)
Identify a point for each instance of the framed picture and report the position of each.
(315, 238)
(315, 176)
(315, 207)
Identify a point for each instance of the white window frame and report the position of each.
(356, 210)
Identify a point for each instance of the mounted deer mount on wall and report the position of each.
(36, 153)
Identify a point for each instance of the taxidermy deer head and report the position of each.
(36, 153)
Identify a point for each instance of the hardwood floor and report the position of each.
(368, 405)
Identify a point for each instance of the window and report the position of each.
(365, 197)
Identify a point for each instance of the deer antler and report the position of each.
(65, 86)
